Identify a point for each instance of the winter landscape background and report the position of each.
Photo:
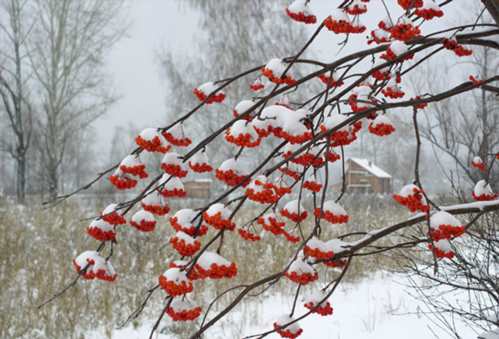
(141, 74)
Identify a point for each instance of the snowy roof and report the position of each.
(370, 167)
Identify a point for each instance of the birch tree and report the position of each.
(15, 28)
(68, 48)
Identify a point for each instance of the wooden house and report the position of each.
(362, 176)
(198, 189)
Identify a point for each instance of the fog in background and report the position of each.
(158, 27)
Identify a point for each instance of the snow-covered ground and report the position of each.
(375, 308)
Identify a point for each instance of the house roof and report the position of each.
(371, 168)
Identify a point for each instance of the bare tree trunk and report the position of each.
(52, 179)
(21, 178)
(12, 89)
(68, 48)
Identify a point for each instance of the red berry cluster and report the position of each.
(183, 315)
(247, 235)
(302, 17)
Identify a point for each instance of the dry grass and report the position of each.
(35, 261)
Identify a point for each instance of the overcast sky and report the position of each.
(133, 62)
(161, 24)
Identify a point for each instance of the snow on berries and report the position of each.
(442, 249)
(259, 190)
(392, 89)
(91, 265)
(156, 204)
(356, 7)
(444, 225)
(271, 120)
(184, 266)
(284, 123)
(172, 164)
(183, 221)
(339, 22)
(378, 36)
(271, 223)
(404, 30)
(287, 331)
(181, 309)
(336, 246)
(429, 10)
(184, 244)
(171, 187)
(214, 266)
(143, 221)
(257, 85)
(478, 163)
(264, 192)
(299, 10)
(301, 272)
(395, 50)
(103, 270)
(132, 165)
(176, 136)
(199, 163)
(242, 134)
(274, 71)
(294, 211)
(412, 197)
(359, 99)
(483, 192)
(341, 136)
(101, 230)
(151, 140)
(111, 215)
(179, 264)
(381, 126)
(122, 181)
(332, 212)
(317, 303)
(127, 173)
(219, 216)
(208, 93)
(174, 281)
(318, 249)
(232, 173)
(83, 263)
(293, 130)
(243, 107)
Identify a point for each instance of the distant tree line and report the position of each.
(52, 87)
